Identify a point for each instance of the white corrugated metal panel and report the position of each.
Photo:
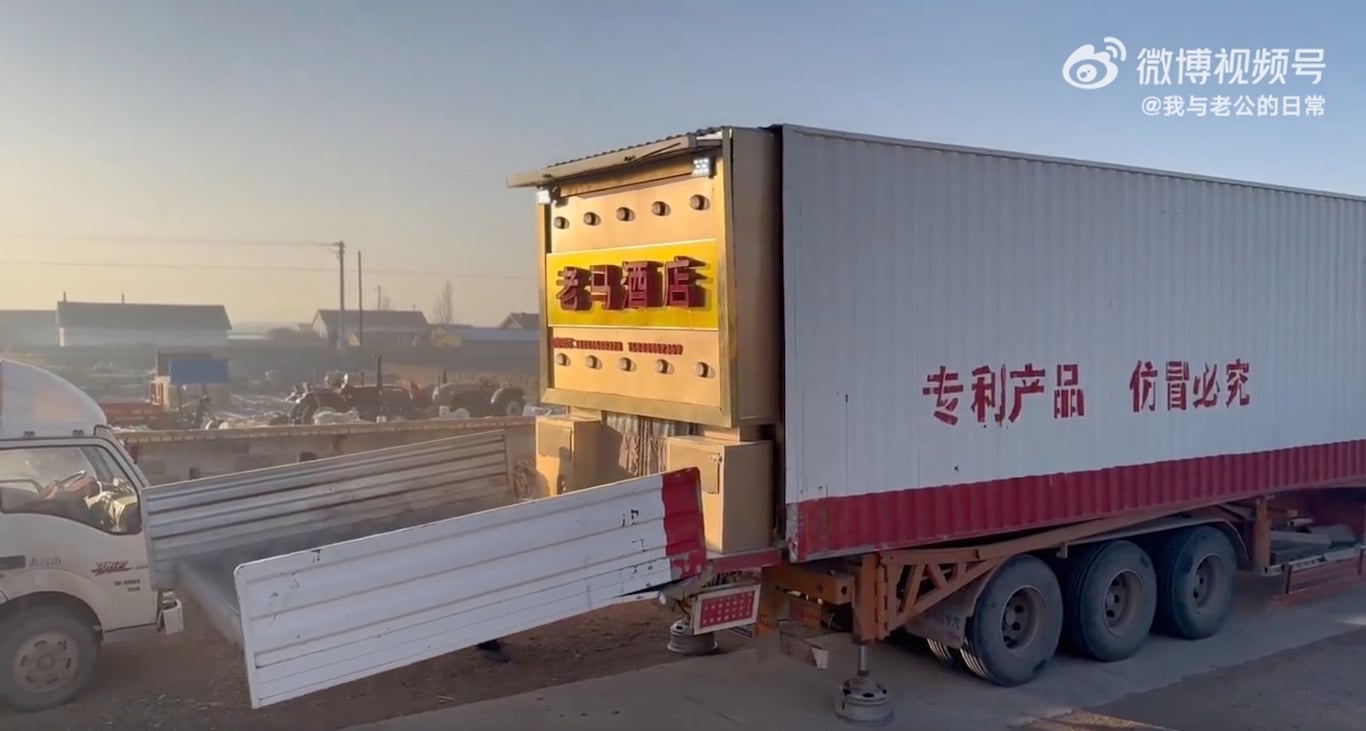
(277, 509)
(320, 618)
(902, 258)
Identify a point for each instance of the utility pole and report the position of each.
(360, 303)
(341, 295)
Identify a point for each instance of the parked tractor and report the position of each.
(369, 402)
(481, 398)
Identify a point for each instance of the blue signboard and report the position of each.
(197, 371)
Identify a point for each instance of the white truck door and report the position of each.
(70, 517)
(319, 618)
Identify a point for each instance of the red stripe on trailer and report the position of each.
(904, 518)
(682, 495)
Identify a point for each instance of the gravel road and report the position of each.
(195, 680)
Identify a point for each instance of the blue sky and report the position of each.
(393, 125)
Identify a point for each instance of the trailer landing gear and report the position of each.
(682, 641)
(862, 700)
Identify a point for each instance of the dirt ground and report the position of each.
(1312, 688)
(196, 679)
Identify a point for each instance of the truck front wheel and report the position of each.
(47, 656)
(1016, 626)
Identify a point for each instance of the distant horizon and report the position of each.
(259, 325)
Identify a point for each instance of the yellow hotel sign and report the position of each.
(657, 285)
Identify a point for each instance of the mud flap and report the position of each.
(316, 619)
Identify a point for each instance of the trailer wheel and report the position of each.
(1195, 577)
(47, 656)
(943, 653)
(1111, 597)
(1015, 628)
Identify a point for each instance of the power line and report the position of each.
(114, 239)
(248, 268)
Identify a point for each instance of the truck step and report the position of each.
(1281, 555)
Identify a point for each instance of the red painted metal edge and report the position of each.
(682, 495)
(904, 518)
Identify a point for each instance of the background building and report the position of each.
(522, 321)
(382, 327)
(28, 328)
(83, 324)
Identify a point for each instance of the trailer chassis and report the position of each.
(934, 592)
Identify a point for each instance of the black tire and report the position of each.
(45, 633)
(1196, 569)
(1109, 601)
(507, 402)
(305, 410)
(474, 407)
(943, 653)
(1015, 628)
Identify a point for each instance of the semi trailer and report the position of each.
(1007, 403)
(823, 382)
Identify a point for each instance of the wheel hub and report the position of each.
(46, 662)
(1020, 619)
(1203, 584)
(1121, 599)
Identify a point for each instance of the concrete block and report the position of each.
(233, 446)
(1339, 535)
(259, 461)
(1296, 538)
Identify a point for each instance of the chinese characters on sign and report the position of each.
(632, 285)
(1000, 395)
(1232, 70)
(1187, 388)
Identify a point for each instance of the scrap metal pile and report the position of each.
(387, 402)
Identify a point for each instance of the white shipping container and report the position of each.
(979, 341)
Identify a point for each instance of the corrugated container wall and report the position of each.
(978, 341)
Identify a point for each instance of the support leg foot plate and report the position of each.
(863, 702)
(683, 642)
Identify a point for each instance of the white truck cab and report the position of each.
(73, 561)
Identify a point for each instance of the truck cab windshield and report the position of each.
(78, 483)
